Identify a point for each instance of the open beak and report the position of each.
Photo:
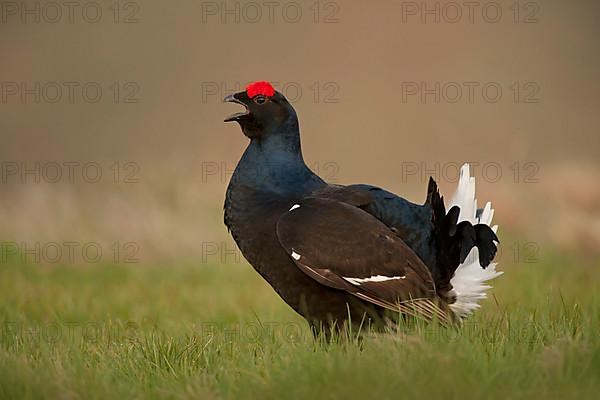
(231, 98)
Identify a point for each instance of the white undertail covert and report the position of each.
(470, 280)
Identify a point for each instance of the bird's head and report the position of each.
(267, 111)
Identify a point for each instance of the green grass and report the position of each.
(218, 331)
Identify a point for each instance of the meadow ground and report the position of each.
(218, 331)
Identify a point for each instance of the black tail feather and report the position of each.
(454, 240)
(485, 241)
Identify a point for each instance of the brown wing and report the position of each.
(345, 248)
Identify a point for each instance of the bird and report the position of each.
(342, 255)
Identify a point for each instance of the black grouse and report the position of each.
(360, 253)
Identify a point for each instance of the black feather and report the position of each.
(485, 241)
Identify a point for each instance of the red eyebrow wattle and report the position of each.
(260, 87)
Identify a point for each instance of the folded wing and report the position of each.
(345, 248)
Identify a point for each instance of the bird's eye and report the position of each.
(260, 99)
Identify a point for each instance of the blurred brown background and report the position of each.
(164, 67)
